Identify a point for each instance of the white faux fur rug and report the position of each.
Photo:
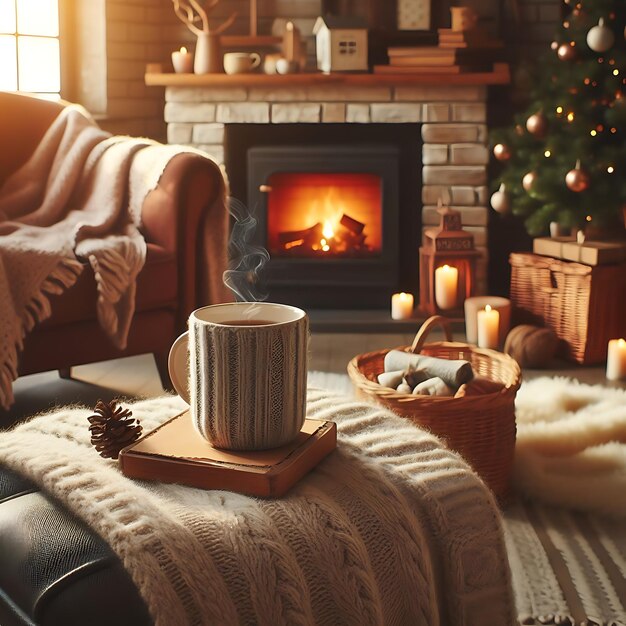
(571, 445)
(571, 442)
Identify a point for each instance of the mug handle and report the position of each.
(178, 366)
(256, 60)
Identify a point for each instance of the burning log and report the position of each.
(354, 226)
(346, 240)
(308, 236)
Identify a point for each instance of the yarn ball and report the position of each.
(531, 346)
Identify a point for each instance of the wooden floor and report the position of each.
(137, 376)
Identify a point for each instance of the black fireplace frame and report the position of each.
(359, 284)
(296, 277)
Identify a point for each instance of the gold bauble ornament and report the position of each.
(566, 52)
(529, 180)
(537, 124)
(502, 152)
(577, 179)
(500, 200)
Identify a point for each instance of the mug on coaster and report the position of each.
(240, 62)
(242, 368)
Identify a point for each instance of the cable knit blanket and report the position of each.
(391, 528)
(79, 197)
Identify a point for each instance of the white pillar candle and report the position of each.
(488, 322)
(446, 284)
(616, 360)
(474, 304)
(182, 61)
(401, 306)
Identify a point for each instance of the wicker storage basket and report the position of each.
(481, 428)
(583, 305)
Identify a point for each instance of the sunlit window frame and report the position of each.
(59, 37)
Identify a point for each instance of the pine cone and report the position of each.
(112, 428)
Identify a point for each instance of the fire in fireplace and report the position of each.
(324, 215)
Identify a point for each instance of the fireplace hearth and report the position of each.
(339, 212)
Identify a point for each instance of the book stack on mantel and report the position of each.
(457, 52)
(587, 253)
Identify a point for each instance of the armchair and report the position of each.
(185, 225)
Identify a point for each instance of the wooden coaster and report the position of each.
(176, 453)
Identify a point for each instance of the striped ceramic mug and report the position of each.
(242, 369)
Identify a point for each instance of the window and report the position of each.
(29, 47)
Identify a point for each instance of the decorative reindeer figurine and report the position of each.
(194, 15)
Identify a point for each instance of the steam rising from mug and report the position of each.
(246, 259)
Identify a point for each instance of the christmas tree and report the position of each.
(564, 160)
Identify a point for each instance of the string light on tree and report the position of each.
(577, 179)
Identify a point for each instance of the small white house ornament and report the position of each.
(341, 44)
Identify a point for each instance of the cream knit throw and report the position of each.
(78, 197)
(392, 528)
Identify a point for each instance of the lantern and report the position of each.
(447, 265)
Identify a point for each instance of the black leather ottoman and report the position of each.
(54, 571)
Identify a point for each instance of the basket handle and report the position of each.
(427, 326)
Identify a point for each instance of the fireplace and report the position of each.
(341, 221)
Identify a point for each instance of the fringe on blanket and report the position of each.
(37, 310)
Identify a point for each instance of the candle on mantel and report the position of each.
(182, 61)
(446, 285)
(401, 306)
(488, 323)
(616, 360)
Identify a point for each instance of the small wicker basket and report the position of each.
(480, 428)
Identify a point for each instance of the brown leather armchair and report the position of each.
(185, 225)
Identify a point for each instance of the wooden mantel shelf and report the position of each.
(499, 76)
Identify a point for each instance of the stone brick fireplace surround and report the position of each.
(453, 119)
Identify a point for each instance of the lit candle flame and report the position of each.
(488, 308)
(183, 50)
